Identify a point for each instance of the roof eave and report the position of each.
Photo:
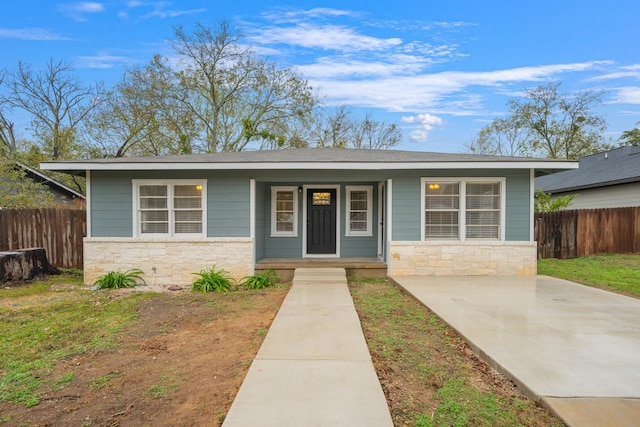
(75, 167)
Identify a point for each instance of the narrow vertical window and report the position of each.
(483, 210)
(154, 209)
(187, 206)
(442, 210)
(284, 211)
(359, 212)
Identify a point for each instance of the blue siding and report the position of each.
(111, 205)
(228, 207)
(519, 215)
(261, 212)
(112, 201)
(228, 197)
(406, 201)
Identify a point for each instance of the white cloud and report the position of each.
(627, 95)
(158, 9)
(77, 11)
(287, 15)
(424, 122)
(103, 61)
(326, 37)
(630, 71)
(29, 34)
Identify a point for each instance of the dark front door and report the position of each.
(321, 221)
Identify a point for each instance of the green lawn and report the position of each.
(614, 272)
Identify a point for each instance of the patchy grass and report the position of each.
(50, 320)
(613, 272)
(429, 375)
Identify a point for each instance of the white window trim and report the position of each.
(462, 219)
(274, 231)
(369, 190)
(170, 183)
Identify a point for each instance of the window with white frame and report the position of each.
(463, 209)
(170, 208)
(284, 211)
(359, 211)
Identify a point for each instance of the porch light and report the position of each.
(199, 187)
(434, 186)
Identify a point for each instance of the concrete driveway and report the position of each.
(574, 348)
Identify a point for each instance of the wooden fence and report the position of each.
(59, 231)
(576, 233)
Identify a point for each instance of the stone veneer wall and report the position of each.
(452, 258)
(174, 260)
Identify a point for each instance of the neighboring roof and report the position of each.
(311, 158)
(618, 166)
(40, 177)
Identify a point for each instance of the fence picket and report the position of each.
(59, 231)
(580, 232)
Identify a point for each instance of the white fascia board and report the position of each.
(308, 165)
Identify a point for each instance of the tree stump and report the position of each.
(25, 264)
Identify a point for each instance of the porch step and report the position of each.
(354, 267)
(303, 276)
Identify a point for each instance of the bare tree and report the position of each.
(7, 134)
(56, 101)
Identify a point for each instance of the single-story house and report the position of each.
(605, 180)
(413, 212)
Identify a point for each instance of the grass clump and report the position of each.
(614, 272)
(213, 280)
(117, 279)
(264, 280)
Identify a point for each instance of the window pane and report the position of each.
(187, 202)
(188, 227)
(154, 216)
(187, 190)
(191, 216)
(482, 232)
(321, 198)
(484, 189)
(284, 206)
(284, 195)
(483, 210)
(153, 191)
(483, 218)
(442, 204)
(284, 226)
(154, 227)
(153, 203)
(284, 211)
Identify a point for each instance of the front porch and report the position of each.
(358, 267)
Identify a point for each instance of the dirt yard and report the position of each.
(181, 365)
(183, 361)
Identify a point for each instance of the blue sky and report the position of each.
(439, 69)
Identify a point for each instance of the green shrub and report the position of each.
(117, 279)
(212, 280)
(266, 279)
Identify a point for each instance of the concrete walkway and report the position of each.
(314, 367)
(575, 348)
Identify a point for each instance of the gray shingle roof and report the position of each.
(310, 155)
(617, 166)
